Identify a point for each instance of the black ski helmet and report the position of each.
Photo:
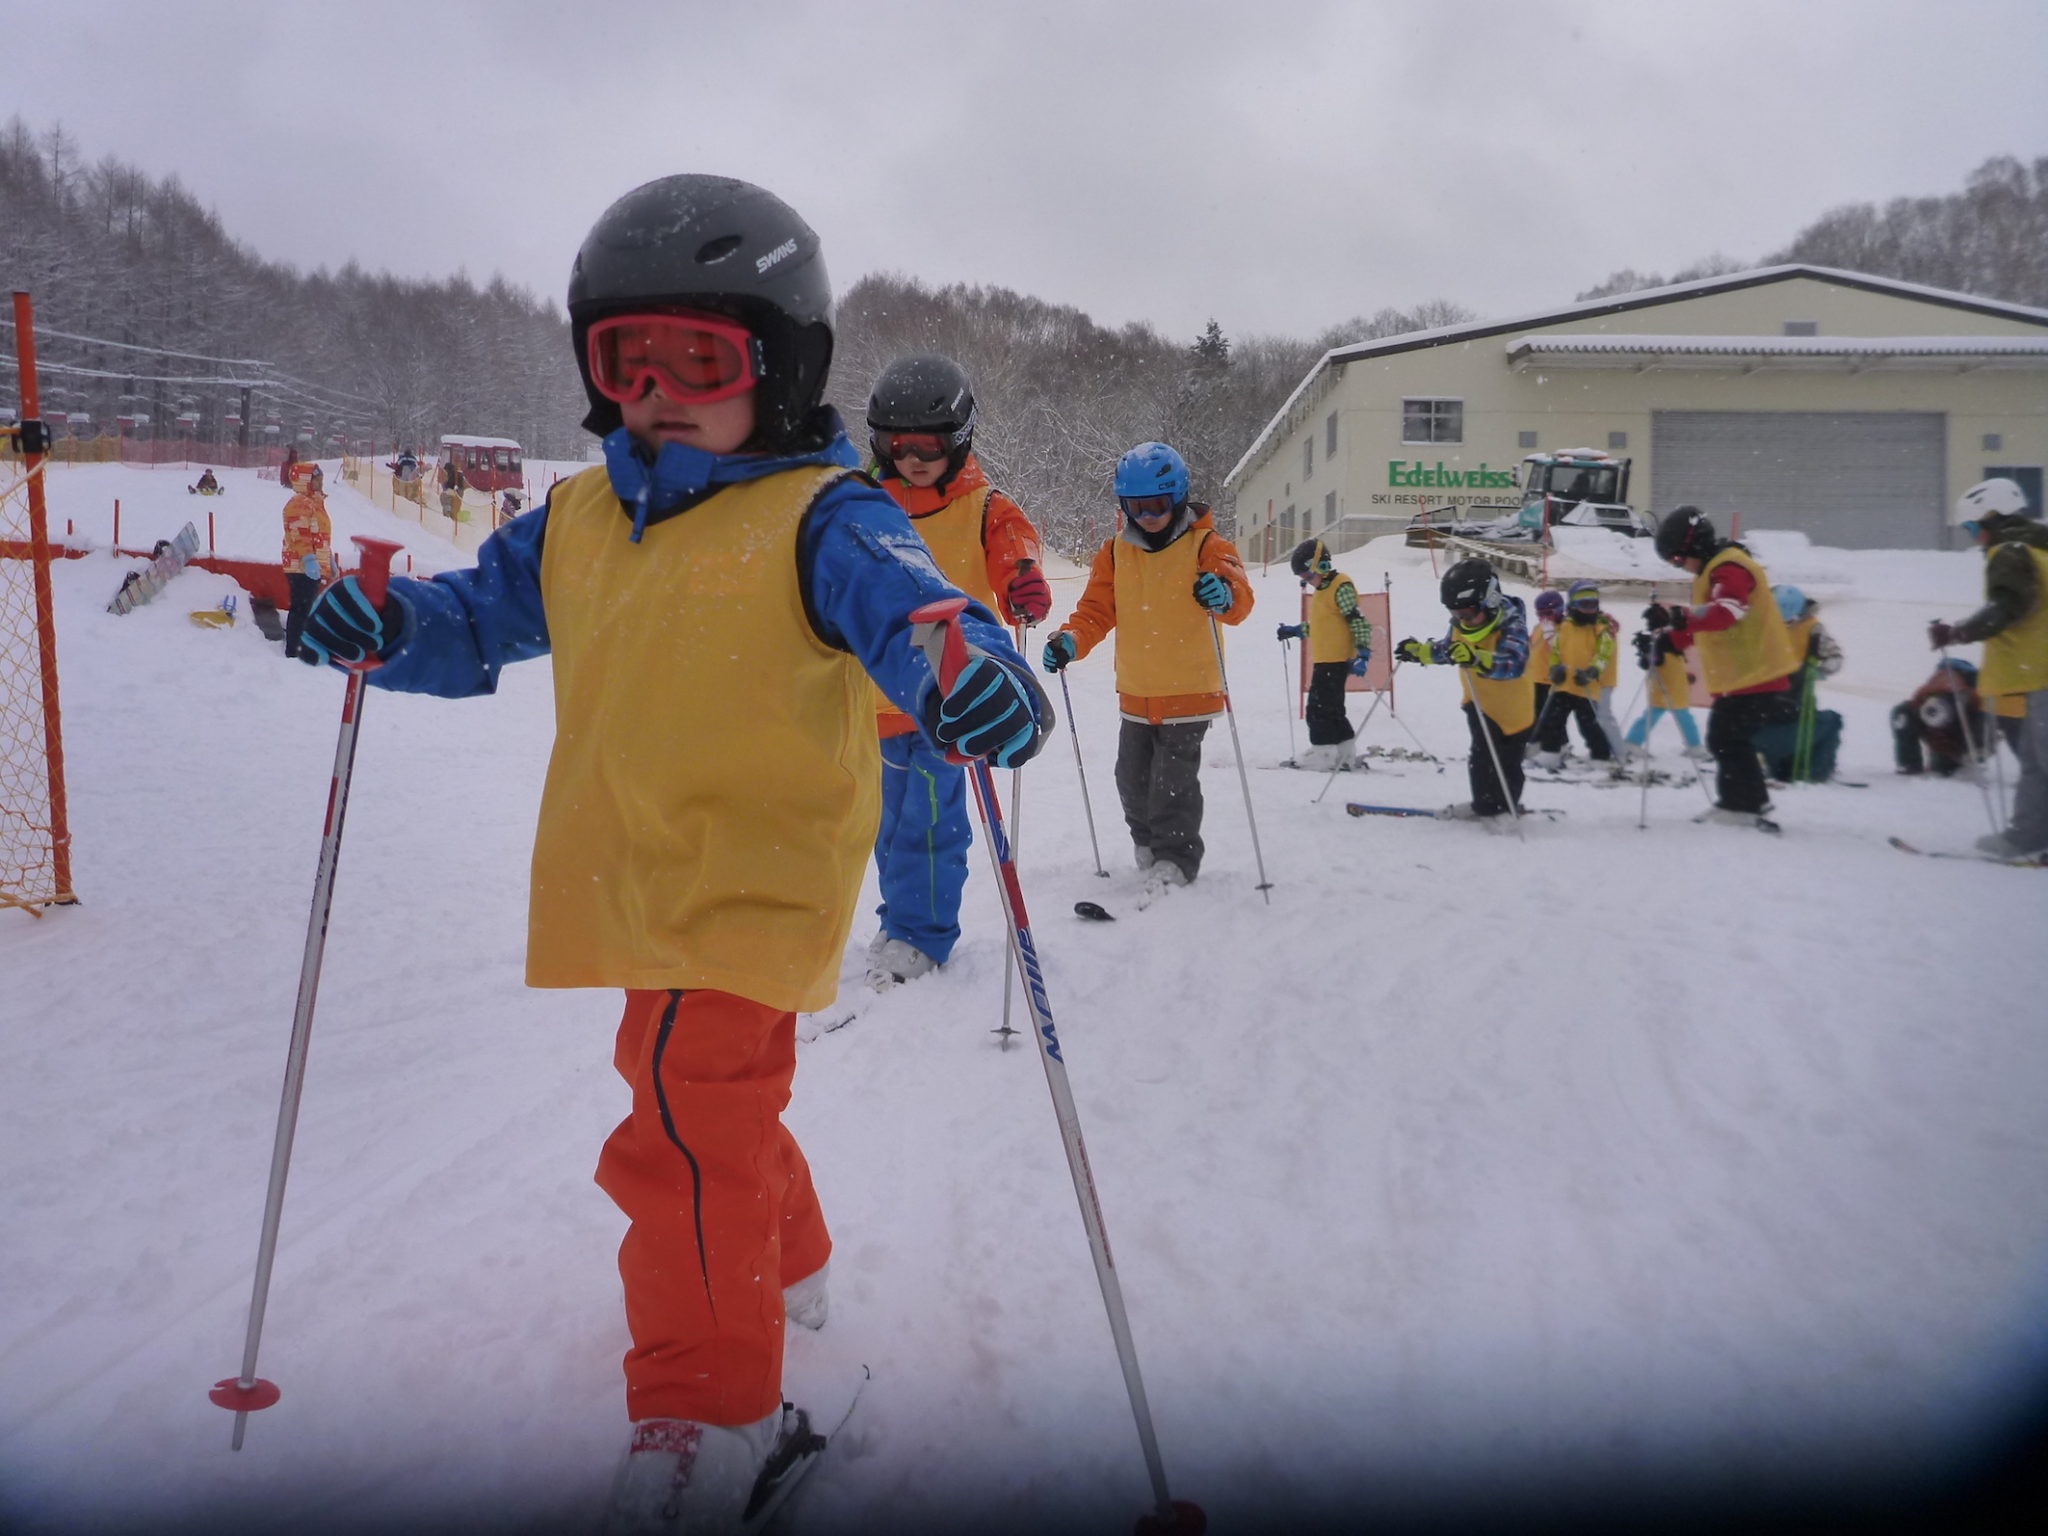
(1311, 558)
(923, 393)
(725, 246)
(1685, 534)
(1471, 583)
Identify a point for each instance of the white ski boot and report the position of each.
(808, 1303)
(682, 1478)
(897, 962)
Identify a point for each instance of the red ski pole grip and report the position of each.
(940, 621)
(374, 571)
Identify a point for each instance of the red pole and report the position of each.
(46, 623)
(209, 533)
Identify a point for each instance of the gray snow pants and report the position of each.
(1159, 780)
(2029, 829)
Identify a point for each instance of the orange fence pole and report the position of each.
(46, 619)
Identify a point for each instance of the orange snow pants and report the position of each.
(720, 1202)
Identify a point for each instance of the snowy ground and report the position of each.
(1664, 1163)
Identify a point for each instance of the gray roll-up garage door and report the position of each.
(1852, 479)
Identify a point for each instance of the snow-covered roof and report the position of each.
(1859, 351)
(457, 440)
(1642, 298)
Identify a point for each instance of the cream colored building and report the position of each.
(1851, 408)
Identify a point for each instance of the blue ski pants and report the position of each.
(921, 845)
(1647, 722)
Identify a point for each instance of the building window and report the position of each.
(1330, 437)
(1287, 527)
(1526, 439)
(1329, 509)
(1308, 457)
(1802, 327)
(1616, 441)
(1994, 442)
(1432, 421)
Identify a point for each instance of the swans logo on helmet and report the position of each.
(786, 249)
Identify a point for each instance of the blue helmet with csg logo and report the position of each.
(1152, 469)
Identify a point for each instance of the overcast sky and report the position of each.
(1278, 164)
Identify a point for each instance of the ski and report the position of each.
(1356, 809)
(1975, 858)
(796, 1451)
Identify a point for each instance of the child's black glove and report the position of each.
(343, 630)
(987, 713)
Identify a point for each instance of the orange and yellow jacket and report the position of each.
(977, 535)
(1166, 667)
(308, 532)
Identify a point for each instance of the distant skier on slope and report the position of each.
(1489, 642)
(1667, 691)
(716, 597)
(1745, 654)
(1161, 582)
(1339, 640)
(2013, 624)
(1581, 666)
(921, 419)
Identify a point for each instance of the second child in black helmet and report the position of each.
(716, 597)
(1733, 626)
(1489, 642)
(921, 420)
(1339, 641)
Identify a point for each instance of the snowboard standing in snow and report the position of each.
(172, 555)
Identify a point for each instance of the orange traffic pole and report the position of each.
(46, 619)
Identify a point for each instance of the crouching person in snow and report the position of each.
(921, 429)
(1804, 749)
(1162, 583)
(1489, 643)
(2013, 624)
(1339, 641)
(1745, 655)
(716, 597)
(1941, 728)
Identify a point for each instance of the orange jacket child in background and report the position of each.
(308, 548)
(921, 420)
(1161, 583)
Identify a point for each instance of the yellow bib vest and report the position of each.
(953, 535)
(1163, 645)
(714, 788)
(1758, 649)
(2016, 658)
(1669, 686)
(1329, 632)
(1578, 646)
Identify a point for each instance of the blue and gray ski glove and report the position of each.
(1213, 592)
(1557, 673)
(1291, 632)
(1059, 651)
(987, 713)
(311, 566)
(342, 629)
(1359, 663)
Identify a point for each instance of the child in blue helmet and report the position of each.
(1162, 583)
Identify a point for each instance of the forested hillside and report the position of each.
(110, 253)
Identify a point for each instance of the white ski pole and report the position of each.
(1485, 725)
(1979, 760)
(1287, 690)
(1067, 699)
(936, 632)
(248, 1392)
(1243, 779)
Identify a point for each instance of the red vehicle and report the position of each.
(487, 463)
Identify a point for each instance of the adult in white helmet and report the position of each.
(2013, 625)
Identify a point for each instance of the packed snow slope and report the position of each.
(1473, 1173)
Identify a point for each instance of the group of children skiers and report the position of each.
(742, 715)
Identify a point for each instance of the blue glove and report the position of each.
(311, 566)
(1059, 650)
(342, 629)
(1359, 663)
(986, 713)
(1291, 632)
(1213, 592)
